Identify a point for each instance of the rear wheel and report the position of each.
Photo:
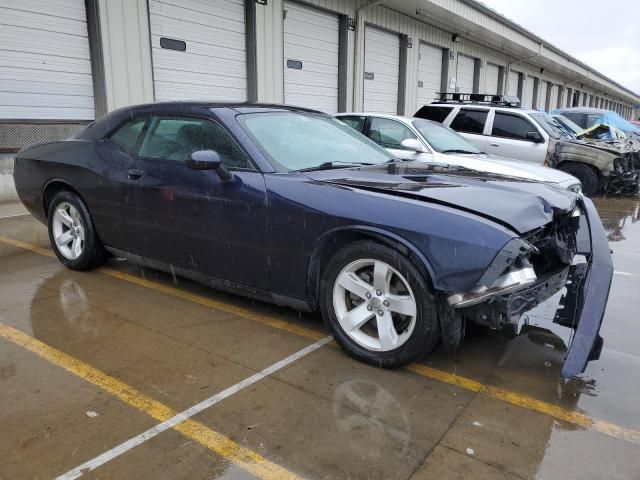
(587, 176)
(378, 305)
(72, 235)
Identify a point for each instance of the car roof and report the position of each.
(401, 118)
(483, 106)
(582, 110)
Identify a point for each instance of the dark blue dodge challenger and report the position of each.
(289, 206)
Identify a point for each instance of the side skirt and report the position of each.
(214, 282)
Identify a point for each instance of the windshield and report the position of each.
(570, 124)
(551, 126)
(613, 119)
(297, 141)
(443, 139)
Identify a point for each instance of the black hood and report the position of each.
(519, 204)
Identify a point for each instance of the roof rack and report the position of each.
(483, 98)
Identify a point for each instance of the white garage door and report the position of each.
(429, 74)
(527, 101)
(213, 64)
(45, 67)
(310, 58)
(464, 74)
(382, 69)
(542, 95)
(553, 100)
(492, 79)
(512, 88)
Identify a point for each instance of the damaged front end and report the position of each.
(618, 161)
(569, 253)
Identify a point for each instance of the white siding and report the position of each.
(311, 37)
(382, 61)
(45, 67)
(492, 80)
(214, 65)
(464, 74)
(429, 73)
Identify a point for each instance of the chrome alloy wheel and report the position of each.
(68, 231)
(374, 305)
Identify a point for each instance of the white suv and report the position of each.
(504, 131)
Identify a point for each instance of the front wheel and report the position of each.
(378, 305)
(588, 177)
(72, 234)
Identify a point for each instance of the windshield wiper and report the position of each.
(334, 164)
(458, 150)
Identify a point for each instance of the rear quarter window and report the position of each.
(511, 126)
(433, 112)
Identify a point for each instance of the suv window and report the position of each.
(470, 120)
(127, 135)
(389, 133)
(357, 123)
(511, 126)
(174, 138)
(432, 112)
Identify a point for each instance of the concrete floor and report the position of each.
(498, 411)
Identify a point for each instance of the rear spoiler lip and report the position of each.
(591, 297)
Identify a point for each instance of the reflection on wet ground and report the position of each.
(324, 416)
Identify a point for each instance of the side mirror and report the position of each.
(414, 145)
(535, 137)
(208, 160)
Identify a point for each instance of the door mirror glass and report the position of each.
(413, 144)
(203, 160)
(535, 137)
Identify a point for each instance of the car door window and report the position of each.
(389, 133)
(357, 123)
(126, 137)
(470, 121)
(511, 126)
(174, 138)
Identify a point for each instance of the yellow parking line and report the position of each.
(513, 398)
(249, 460)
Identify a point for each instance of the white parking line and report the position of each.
(190, 412)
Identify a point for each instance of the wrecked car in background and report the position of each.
(497, 125)
(290, 206)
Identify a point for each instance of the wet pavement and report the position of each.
(497, 411)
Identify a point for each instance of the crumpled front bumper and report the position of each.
(584, 304)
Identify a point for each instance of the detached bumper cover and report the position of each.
(584, 304)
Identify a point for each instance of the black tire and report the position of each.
(93, 253)
(588, 177)
(426, 332)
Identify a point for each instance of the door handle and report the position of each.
(134, 173)
(494, 145)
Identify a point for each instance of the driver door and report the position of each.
(192, 220)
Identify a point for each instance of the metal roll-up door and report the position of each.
(45, 65)
(198, 49)
(311, 47)
(492, 79)
(464, 73)
(553, 99)
(542, 95)
(382, 71)
(512, 88)
(429, 73)
(527, 101)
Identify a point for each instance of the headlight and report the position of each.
(576, 188)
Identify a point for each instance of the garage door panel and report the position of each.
(213, 67)
(382, 59)
(429, 73)
(465, 74)
(44, 44)
(205, 15)
(527, 101)
(45, 62)
(512, 88)
(37, 21)
(492, 79)
(311, 36)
